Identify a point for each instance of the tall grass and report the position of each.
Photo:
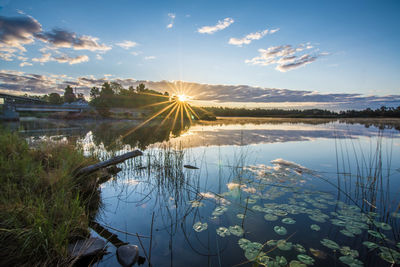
(43, 207)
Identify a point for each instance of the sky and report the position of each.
(246, 53)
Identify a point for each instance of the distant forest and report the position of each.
(113, 94)
(307, 113)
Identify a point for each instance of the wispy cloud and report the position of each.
(250, 37)
(149, 57)
(286, 57)
(46, 57)
(172, 17)
(72, 60)
(65, 39)
(25, 63)
(222, 24)
(127, 44)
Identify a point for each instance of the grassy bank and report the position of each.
(43, 207)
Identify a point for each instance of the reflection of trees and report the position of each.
(114, 135)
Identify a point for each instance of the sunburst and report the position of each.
(177, 107)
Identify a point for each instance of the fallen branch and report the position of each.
(118, 159)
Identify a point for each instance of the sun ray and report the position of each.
(197, 116)
(187, 113)
(146, 121)
(182, 104)
(155, 104)
(176, 116)
(167, 96)
(168, 115)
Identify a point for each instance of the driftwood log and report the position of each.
(115, 160)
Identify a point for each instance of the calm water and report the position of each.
(324, 192)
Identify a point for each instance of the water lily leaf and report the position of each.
(305, 259)
(280, 230)
(318, 253)
(270, 217)
(236, 230)
(354, 230)
(387, 257)
(240, 216)
(288, 221)
(351, 261)
(346, 233)
(330, 243)
(370, 245)
(315, 227)
(219, 210)
(223, 231)
(243, 242)
(347, 251)
(299, 248)
(295, 263)
(281, 260)
(196, 204)
(199, 227)
(284, 245)
(377, 234)
(383, 226)
(317, 218)
(271, 243)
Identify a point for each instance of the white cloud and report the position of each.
(127, 44)
(46, 57)
(172, 16)
(72, 60)
(285, 57)
(222, 24)
(135, 53)
(250, 37)
(99, 57)
(25, 63)
(149, 57)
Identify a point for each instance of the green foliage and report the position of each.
(43, 207)
(55, 98)
(69, 95)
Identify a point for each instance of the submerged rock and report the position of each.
(127, 255)
(87, 247)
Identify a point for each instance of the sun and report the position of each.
(182, 98)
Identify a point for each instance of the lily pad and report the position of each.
(236, 230)
(243, 243)
(330, 243)
(240, 216)
(376, 234)
(284, 245)
(315, 227)
(295, 263)
(196, 204)
(349, 260)
(347, 251)
(370, 245)
(383, 226)
(270, 217)
(223, 231)
(299, 248)
(281, 260)
(305, 259)
(199, 227)
(346, 233)
(219, 210)
(288, 221)
(280, 230)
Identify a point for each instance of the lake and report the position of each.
(274, 191)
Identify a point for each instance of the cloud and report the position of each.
(18, 31)
(286, 57)
(72, 60)
(25, 63)
(46, 57)
(250, 37)
(127, 44)
(222, 24)
(65, 39)
(149, 57)
(172, 17)
(20, 82)
(99, 57)
(135, 53)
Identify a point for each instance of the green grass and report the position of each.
(43, 207)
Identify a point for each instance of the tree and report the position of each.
(55, 98)
(141, 88)
(166, 93)
(94, 92)
(106, 90)
(69, 95)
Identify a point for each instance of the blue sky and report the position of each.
(347, 46)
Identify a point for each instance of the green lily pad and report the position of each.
(270, 217)
(317, 218)
(280, 230)
(387, 257)
(315, 227)
(281, 260)
(236, 230)
(243, 243)
(349, 260)
(196, 204)
(219, 210)
(295, 263)
(240, 216)
(330, 244)
(305, 259)
(223, 231)
(370, 245)
(354, 230)
(284, 245)
(383, 226)
(299, 248)
(346, 233)
(199, 227)
(376, 234)
(347, 251)
(288, 221)
(271, 243)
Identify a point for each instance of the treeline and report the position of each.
(307, 113)
(55, 98)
